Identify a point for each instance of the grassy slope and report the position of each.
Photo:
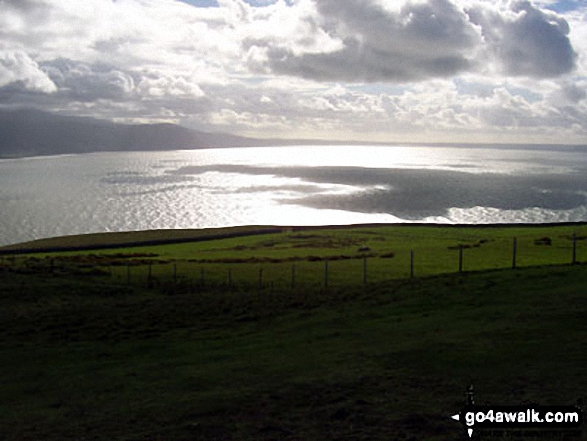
(435, 252)
(119, 239)
(92, 359)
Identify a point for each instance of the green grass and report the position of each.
(86, 358)
(87, 355)
(97, 240)
(241, 259)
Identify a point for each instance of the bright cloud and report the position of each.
(421, 70)
(18, 67)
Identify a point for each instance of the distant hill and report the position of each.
(29, 132)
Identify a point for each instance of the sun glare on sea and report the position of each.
(324, 156)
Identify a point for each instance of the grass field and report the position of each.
(94, 357)
(303, 257)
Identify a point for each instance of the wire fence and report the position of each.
(309, 271)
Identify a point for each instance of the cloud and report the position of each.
(569, 94)
(18, 67)
(431, 111)
(421, 70)
(578, 36)
(415, 41)
(526, 41)
(83, 82)
(421, 40)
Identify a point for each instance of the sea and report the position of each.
(296, 185)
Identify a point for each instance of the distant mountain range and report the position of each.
(33, 133)
(28, 132)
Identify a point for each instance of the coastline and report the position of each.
(257, 143)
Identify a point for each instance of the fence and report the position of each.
(296, 272)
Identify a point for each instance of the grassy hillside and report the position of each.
(126, 238)
(283, 257)
(92, 357)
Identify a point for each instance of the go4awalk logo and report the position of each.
(517, 417)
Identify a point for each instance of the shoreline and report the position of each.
(271, 143)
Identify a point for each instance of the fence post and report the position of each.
(574, 261)
(364, 270)
(515, 252)
(460, 258)
(326, 273)
(412, 264)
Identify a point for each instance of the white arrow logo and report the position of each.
(457, 417)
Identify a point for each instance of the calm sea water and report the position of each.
(309, 185)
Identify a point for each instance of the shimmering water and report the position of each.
(309, 185)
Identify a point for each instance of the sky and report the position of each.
(488, 71)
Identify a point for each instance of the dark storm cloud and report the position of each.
(534, 43)
(357, 63)
(421, 27)
(420, 41)
(416, 194)
(431, 39)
